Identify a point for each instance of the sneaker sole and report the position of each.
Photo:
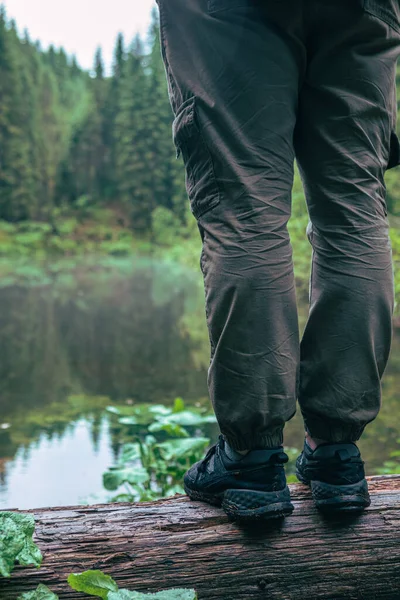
(248, 505)
(338, 498)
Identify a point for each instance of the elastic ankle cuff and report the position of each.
(250, 442)
(332, 431)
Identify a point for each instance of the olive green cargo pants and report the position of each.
(253, 85)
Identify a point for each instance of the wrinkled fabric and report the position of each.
(254, 85)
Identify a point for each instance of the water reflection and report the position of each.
(127, 329)
(106, 331)
(57, 470)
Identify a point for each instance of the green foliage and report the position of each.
(395, 241)
(16, 544)
(392, 466)
(74, 139)
(392, 180)
(116, 476)
(41, 593)
(74, 233)
(166, 226)
(151, 469)
(96, 583)
(159, 414)
(43, 101)
(187, 448)
(290, 467)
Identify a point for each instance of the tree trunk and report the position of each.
(179, 543)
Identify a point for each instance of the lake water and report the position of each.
(76, 338)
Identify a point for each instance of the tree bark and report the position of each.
(179, 543)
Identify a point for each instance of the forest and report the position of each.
(73, 139)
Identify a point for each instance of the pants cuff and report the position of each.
(260, 442)
(332, 431)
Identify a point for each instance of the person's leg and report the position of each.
(344, 143)
(234, 69)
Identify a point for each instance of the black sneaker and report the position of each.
(336, 475)
(253, 487)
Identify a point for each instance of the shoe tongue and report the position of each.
(343, 450)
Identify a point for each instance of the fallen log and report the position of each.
(179, 543)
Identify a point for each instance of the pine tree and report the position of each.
(111, 108)
(16, 174)
(133, 158)
(84, 167)
(75, 70)
(99, 65)
(119, 57)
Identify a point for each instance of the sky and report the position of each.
(81, 25)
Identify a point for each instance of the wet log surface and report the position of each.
(180, 543)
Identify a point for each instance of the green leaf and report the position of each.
(150, 440)
(124, 595)
(188, 418)
(122, 410)
(182, 448)
(113, 409)
(159, 409)
(175, 594)
(94, 583)
(179, 405)
(116, 476)
(30, 554)
(130, 452)
(16, 531)
(173, 429)
(41, 593)
(128, 421)
(139, 414)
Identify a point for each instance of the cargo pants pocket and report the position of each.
(201, 183)
(388, 11)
